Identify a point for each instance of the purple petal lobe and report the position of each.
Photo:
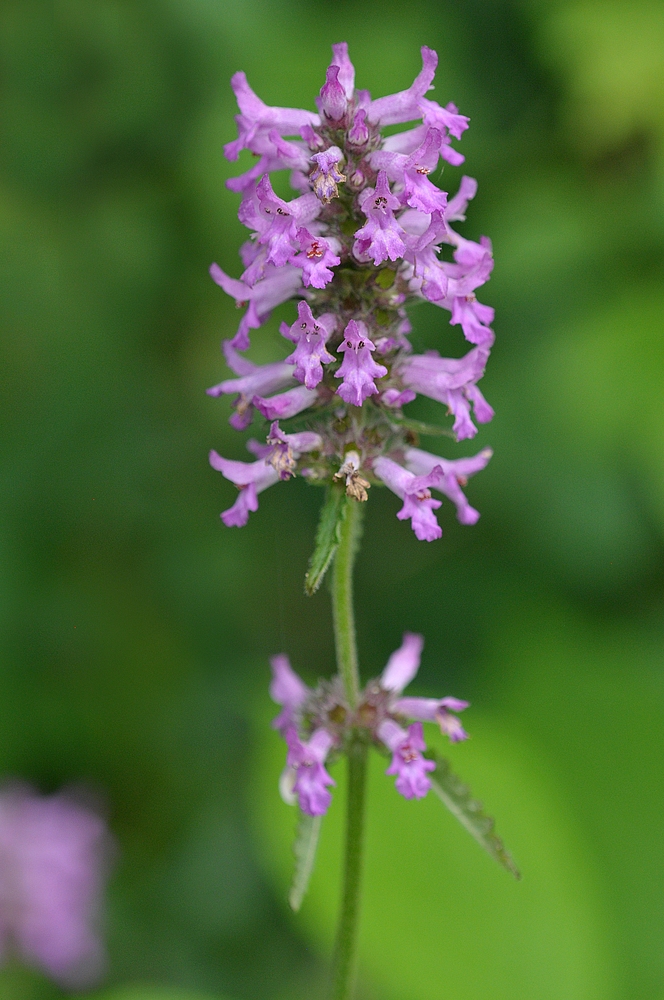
(403, 664)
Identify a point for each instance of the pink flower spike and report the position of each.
(403, 664)
(408, 764)
(358, 369)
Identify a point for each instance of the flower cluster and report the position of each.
(364, 236)
(317, 723)
(52, 860)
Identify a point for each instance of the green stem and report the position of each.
(342, 600)
(343, 972)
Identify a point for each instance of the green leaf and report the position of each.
(456, 795)
(304, 849)
(327, 538)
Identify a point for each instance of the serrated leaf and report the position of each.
(456, 795)
(327, 538)
(304, 849)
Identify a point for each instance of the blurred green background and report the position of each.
(136, 629)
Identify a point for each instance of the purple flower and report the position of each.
(286, 404)
(316, 257)
(281, 221)
(435, 710)
(452, 476)
(403, 664)
(382, 237)
(288, 690)
(451, 381)
(283, 450)
(325, 177)
(358, 369)
(358, 134)
(346, 69)
(418, 504)
(310, 335)
(413, 173)
(456, 206)
(305, 761)
(474, 319)
(256, 119)
(443, 118)
(277, 460)
(405, 106)
(53, 856)
(408, 764)
(333, 101)
(278, 285)
(251, 478)
(254, 380)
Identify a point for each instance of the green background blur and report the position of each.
(136, 629)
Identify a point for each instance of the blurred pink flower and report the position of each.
(53, 861)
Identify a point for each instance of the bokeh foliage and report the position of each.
(136, 629)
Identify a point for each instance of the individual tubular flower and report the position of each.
(286, 404)
(451, 381)
(413, 173)
(257, 119)
(310, 336)
(382, 237)
(305, 760)
(277, 460)
(437, 710)
(325, 177)
(254, 380)
(281, 219)
(403, 664)
(288, 690)
(251, 478)
(408, 764)
(316, 258)
(405, 106)
(54, 855)
(401, 668)
(282, 450)
(278, 285)
(451, 477)
(332, 102)
(418, 504)
(358, 369)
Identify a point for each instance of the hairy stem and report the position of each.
(342, 600)
(343, 972)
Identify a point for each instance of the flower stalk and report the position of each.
(343, 971)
